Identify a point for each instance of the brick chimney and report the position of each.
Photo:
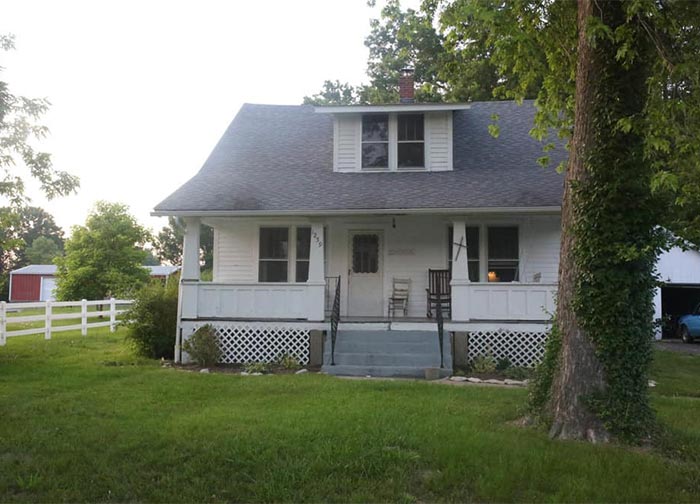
(406, 86)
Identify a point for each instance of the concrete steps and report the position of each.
(386, 353)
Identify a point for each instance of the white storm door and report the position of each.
(365, 296)
(48, 285)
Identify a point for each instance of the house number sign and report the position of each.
(402, 252)
(317, 239)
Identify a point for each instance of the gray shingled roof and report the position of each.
(280, 158)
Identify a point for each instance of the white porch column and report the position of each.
(189, 280)
(317, 282)
(460, 272)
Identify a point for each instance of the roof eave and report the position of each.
(403, 107)
(362, 211)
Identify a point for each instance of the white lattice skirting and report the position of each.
(242, 343)
(521, 348)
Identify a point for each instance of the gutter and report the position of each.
(362, 211)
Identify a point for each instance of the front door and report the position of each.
(365, 297)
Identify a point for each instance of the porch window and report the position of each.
(503, 249)
(411, 141)
(472, 251)
(375, 141)
(278, 261)
(303, 251)
(274, 254)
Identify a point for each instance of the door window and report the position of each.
(365, 253)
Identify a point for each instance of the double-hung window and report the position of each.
(411, 141)
(393, 141)
(284, 254)
(503, 250)
(375, 141)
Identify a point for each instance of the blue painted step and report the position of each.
(387, 353)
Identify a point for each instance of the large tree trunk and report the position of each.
(579, 373)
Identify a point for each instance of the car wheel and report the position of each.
(685, 335)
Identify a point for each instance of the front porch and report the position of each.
(502, 271)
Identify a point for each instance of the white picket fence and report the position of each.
(115, 309)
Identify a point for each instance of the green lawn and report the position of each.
(82, 419)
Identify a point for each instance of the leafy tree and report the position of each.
(104, 257)
(43, 250)
(151, 259)
(18, 128)
(620, 80)
(168, 243)
(447, 67)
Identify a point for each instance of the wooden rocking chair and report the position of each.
(439, 290)
(399, 296)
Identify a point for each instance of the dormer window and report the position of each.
(411, 141)
(375, 141)
(393, 141)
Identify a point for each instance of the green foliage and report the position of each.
(333, 93)
(168, 243)
(203, 346)
(42, 251)
(288, 361)
(541, 384)
(502, 364)
(18, 131)
(483, 365)
(518, 373)
(104, 257)
(257, 367)
(152, 320)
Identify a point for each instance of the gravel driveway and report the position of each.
(676, 345)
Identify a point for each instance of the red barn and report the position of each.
(35, 282)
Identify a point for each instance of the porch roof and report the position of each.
(275, 158)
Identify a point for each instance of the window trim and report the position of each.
(394, 144)
(291, 259)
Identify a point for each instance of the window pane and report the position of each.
(272, 271)
(411, 155)
(473, 271)
(274, 243)
(365, 253)
(410, 127)
(503, 273)
(503, 243)
(375, 155)
(375, 128)
(303, 242)
(302, 271)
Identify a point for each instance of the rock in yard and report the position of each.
(652, 383)
(493, 382)
(519, 383)
(205, 370)
(302, 371)
(255, 374)
(474, 380)
(458, 378)
(244, 373)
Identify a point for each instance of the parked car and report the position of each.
(689, 326)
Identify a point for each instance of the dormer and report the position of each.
(392, 138)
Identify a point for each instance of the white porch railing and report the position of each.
(502, 301)
(10, 315)
(303, 301)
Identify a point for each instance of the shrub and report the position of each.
(484, 364)
(502, 364)
(518, 373)
(203, 346)
(257, 367)
(288, 361)
(152, 320)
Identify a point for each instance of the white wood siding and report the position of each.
(235, 252)
(438, 141)
(540, 238)
(346, 147)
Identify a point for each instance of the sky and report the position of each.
(141, 91)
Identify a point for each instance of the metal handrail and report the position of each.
(335, 319)
(439, 319)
